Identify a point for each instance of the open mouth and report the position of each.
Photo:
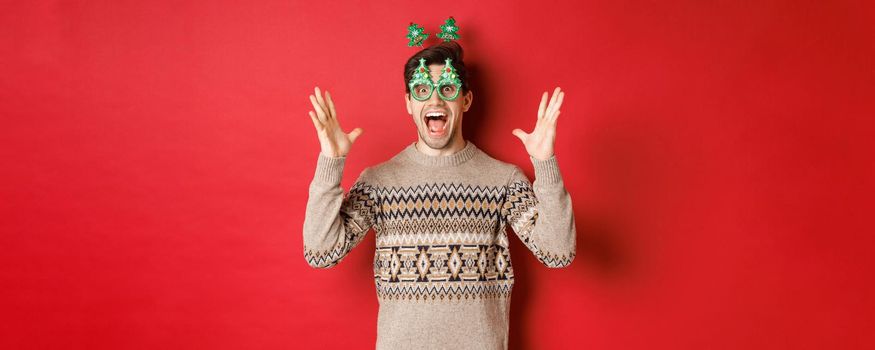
(436, 123)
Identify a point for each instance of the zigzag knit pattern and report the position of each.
(519, 210)
(357, 212)
(437, 291)
(442, 240)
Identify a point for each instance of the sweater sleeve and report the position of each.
(541, 215)
(334, 223)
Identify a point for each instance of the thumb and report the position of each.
(354, 134)
(520, 134)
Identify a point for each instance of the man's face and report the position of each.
(438, 122)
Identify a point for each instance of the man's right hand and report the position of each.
(334, 142)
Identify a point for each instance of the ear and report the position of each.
(407, 103)
(468, 99)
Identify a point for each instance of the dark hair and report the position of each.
(437, 54)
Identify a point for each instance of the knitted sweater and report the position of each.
(442, 267)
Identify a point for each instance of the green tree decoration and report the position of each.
(416, 34)
(449, 77)
(449, 30)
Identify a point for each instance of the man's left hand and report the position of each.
(539, 143)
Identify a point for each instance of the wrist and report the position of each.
(541, 157)
(544, 156)
(331, 155)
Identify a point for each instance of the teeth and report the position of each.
(435, 114)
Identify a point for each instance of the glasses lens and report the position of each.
(421, 91)
(449, 92)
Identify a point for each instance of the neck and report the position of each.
(456, 145)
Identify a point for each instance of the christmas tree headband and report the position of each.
(448, 85)
(416, 34)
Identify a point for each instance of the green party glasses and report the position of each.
(448, 85)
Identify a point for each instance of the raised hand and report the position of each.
(539, 143)
(334, 142)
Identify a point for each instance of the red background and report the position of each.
(156, 159)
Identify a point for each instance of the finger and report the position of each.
(321, 100)
(316, 121)
(330, 105)
(554, 96)
(542, 105)
(353, 135)
(552, 101)
(319, 111)
(558, 104)
(519, 134)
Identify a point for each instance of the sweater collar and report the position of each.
(457, 158)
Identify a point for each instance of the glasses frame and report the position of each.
(448, 77)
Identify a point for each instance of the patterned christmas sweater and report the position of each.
(442, 267)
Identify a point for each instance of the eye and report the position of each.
(448, 91)
(421, 91)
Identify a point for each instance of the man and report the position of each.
(439, 208)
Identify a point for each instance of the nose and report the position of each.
(435, 100)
